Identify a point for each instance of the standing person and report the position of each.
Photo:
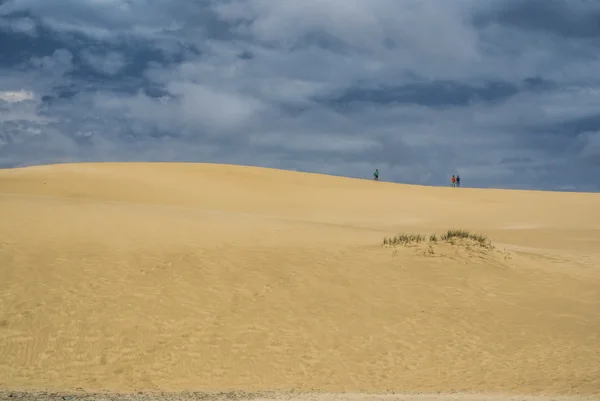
(376, 175)
(458, 180)
(453, 181)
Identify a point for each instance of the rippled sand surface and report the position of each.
(195, 277)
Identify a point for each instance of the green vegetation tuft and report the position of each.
(449, 236)
(465, 234)
(404, 239)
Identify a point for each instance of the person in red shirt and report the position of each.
(453, 181)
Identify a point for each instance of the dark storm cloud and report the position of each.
(431, 93)
(506, 93)
(577, 19)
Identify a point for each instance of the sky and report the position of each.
(505, 93)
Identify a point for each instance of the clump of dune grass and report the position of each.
(450, 236)
(404, 239)
(481, 239)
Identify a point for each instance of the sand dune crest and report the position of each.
(210, 277)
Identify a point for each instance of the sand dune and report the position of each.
(200, 277)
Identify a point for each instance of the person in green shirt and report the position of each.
(376, 174)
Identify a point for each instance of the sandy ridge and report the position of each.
(178, 277)
(290, 396)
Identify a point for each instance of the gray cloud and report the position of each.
(419, 89)
(577, 19)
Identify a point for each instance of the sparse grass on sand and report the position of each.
(449, 236)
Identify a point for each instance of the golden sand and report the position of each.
(207, 277)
